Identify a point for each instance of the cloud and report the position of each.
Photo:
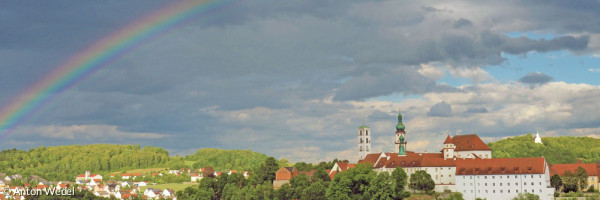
(257, 75)
(477, 75)
(534, 78)
(86, 132)
(594, 69)
(441, 109)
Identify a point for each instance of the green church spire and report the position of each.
(400, 125)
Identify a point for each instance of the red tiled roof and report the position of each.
(591, 169)
(309, 173)
(469, 143)
(370, 158)
(332, 174)
(83, 175)
(345, 166)
(500, 166)
(448, 140)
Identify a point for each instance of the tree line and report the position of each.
(65, 162)
(556, 150)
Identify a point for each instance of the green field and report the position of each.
(174, 186)
(190, 163)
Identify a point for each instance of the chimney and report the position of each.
(87, 175)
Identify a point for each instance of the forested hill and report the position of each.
(556, 150)
(227, 159)
(65, 162)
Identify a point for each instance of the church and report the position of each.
(464, 164)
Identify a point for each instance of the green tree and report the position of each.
(339, 188)
(570, 182)
(303, 167)
(316, 191)
(556, 182)
(399, 180)
(320, 175)
(299, 183)
(381, 187)
(285, 192)
(582, 177)
(266, 172)
(421, 180)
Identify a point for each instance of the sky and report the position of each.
(295, 79)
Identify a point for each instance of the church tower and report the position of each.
(364, 141)
(449, 147)
(537, 139)
(400, 143)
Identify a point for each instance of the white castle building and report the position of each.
(465, 165)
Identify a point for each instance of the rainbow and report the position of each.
(97, 55)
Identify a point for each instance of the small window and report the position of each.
(485, 184)
(508, 191)
(500, 184)
(524, 183)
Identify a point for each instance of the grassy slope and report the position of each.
(556, 150)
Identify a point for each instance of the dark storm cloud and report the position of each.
(535, 78)
(441, 109)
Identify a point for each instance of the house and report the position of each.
(152, 193)
(283, 176)
(168, 193)
(95, 182)
(140, 183)
(503, 178)
(126, 184)
(61, 186)
(340, 167)
(87, 176)
(130, 176)
(195, 177)
(13, 177)
(592, 170)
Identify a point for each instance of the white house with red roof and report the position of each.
(87, 176)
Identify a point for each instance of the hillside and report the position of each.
(65, 162)
(226, 159)
(566, 149)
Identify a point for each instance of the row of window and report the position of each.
(499, 176)
(502, 191)
(367, 139)
(494, 184)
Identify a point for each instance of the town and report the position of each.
(463, 165)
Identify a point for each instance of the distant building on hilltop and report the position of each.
(537, 139)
